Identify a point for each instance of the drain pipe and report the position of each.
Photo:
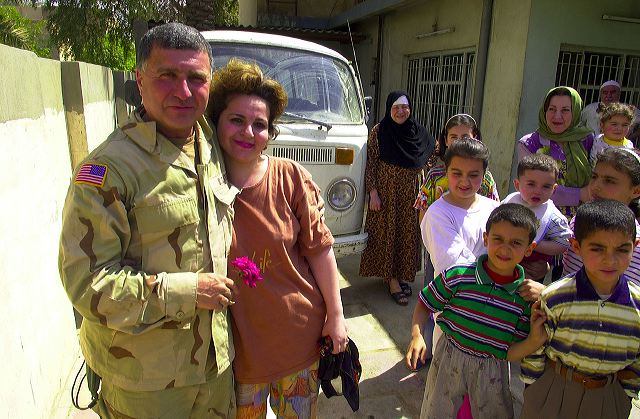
(376, 99)
(481, 62)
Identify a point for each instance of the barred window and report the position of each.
(440, 85)
(585, 69)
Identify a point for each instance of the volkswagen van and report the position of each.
(324, 125)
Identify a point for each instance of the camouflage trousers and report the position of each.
(213, 399)
(453, 373)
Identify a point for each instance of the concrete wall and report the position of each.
(399, 39)
(40, 348)
(573, 22)
(503, 83)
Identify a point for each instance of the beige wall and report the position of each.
(39, 343)
(399, 39)
(503, 84)
(40, 349)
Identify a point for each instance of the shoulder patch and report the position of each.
(91, 174)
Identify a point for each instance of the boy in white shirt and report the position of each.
(536, 180)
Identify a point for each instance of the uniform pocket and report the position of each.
(168, 233)
(167, 216)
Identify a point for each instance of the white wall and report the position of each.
(37, 322)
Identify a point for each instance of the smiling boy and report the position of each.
(590, 364)
(484, 319)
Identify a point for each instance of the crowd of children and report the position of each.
(578, 338)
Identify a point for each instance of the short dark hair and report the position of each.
(171, 35)
(540, 162)
(626, 161)
(604, 214)
(467, 148)
(517, 215)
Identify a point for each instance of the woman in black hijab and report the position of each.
(398, 150)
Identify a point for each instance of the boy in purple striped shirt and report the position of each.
(484, 320)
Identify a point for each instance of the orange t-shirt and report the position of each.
(277, 222)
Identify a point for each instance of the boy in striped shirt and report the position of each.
(484, 320)
(590, 364)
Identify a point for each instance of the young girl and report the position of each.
(436, 182)
(616, 175)
(453, 225)
(615, 121)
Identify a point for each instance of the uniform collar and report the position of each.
(145, 135)
(586, 292)
(483, 278)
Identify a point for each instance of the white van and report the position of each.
(323, 127)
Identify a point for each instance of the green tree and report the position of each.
(20, 32)
(101, 31)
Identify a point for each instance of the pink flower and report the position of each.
(249, 271)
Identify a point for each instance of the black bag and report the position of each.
(344, 364)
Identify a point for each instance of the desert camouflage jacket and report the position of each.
(140, 220)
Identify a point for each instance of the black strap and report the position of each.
(93, 384)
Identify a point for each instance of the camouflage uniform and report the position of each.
(132, 243)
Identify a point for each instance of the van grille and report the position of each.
(307, 155)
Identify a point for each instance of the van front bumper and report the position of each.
(349, 244)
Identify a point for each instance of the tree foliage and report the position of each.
(102, 31)
(20, 32)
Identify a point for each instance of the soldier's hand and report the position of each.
(214, 292)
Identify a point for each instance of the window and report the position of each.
(586, 69)
(440, 85)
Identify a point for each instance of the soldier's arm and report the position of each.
(102, 285)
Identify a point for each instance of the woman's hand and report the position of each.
(374, 200)
(336, 328)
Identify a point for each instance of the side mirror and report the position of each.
(368, 104)
(132, 94)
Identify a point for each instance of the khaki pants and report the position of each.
(213, 399)
(453, 374)
(554, 397)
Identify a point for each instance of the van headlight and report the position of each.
(341, 195)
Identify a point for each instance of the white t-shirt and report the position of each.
(553, 224)
(599, 145)
(453, 235)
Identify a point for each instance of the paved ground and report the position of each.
(380, 328)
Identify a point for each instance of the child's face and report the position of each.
(605, 255)
(506, 246)
(607, 182)
(465, 177)
(457, 132)
(616, 128)
(535, 186)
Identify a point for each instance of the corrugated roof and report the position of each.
(310, 34)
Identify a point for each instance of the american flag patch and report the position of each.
(92, 174)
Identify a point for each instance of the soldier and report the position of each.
(145, 236)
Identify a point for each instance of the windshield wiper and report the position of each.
(304, 118)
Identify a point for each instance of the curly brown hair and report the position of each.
(617, 108)
(243, 78)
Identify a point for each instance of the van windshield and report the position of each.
(319, 87)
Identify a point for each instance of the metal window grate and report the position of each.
(585, 70)
(306, 155)
(440, 85)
